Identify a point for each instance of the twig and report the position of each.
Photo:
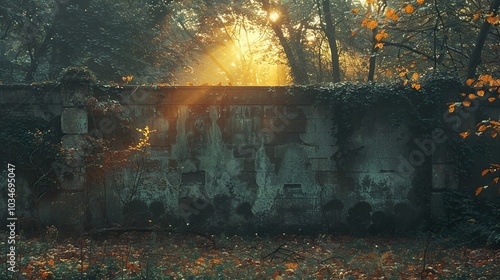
(426, 247)
(285, 252)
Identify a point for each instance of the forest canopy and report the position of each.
(248, 42)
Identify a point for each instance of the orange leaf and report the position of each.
(465, 134)
(416, 86)
(472, 96)
(476, 16)
(365, 22)
(466, 103)
(390, 12)
(491, 19)
(379, 45)
(420, 2)
(485, 78)
(381, 35)
(291, 265)
(485, 172)
(356, 11)
(451, 108)
(479, 190)
(494, 134)
(372, 24)
(409, 9)
(495, 180)
(354, 32)
(469, 82)
(415, 76)
(482, 127)
(480, 93)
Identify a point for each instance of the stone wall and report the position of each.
(242, 159)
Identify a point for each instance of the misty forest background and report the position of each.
(251, 42)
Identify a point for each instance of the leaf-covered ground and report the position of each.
(195, 256)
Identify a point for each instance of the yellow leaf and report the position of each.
(415, 76)
(466, 103)
(409, 9)
(465, 134)
(372, 24)
(491, 99)
(420, 2)
(472, 96)
(479, 190)
(356, 11)
(480, 93)
(471, 220)
(469, 82)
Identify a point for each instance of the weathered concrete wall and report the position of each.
(237, 158)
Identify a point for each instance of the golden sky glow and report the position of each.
(248, 54)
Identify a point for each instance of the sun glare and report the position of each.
(274, 16)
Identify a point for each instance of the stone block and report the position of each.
(444, 176)
(74, 95)
(74, 121)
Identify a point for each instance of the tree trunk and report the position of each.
(332, 40)
(373, 57)
(475, 57)
(299, 73)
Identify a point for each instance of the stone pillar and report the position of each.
(68, 208)
(444, 178)
(75, 85)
